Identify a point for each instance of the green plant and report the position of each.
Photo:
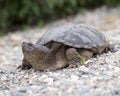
(16, 14)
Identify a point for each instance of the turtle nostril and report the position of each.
(27, 44)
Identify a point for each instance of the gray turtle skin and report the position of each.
(53, 50)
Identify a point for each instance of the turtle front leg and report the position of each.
(77, 56)
(25, 65)
(72, 58)
(84, 54)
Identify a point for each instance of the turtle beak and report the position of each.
(27, 46)
(27, 43)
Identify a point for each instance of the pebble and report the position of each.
(74, 77)
(3, 78)
(49, 81)
(43, 78)
(83, 68)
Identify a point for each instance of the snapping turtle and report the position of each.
(55, 49)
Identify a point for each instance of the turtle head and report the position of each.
(34, 53)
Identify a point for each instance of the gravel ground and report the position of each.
(98, 77)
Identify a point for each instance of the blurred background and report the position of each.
(21, 14)
(28, 20)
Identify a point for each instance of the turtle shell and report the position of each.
(78, 36)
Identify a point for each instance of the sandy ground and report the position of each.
(101, 76)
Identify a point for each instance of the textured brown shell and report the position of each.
(78, 36)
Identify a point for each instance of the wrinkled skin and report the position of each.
(42, 58)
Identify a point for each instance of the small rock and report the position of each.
(46, 79)
(42, 78)
(74, 77)
(3, 87)
(49, 81)
(3, 78)
(115, 92)
(83, 68)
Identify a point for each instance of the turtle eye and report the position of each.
(30, 44)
